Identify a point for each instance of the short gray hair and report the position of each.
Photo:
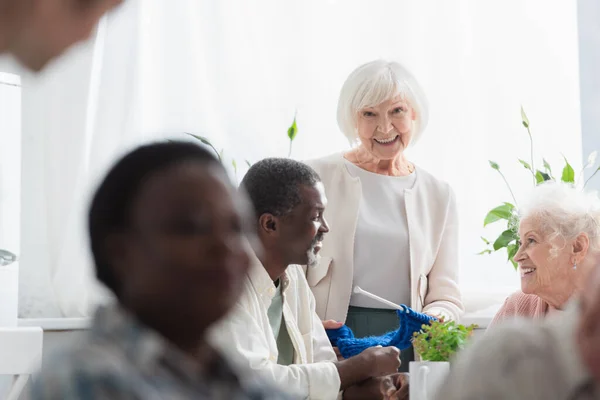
(372, 84)
(564, 212)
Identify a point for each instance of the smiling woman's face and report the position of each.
(386, 129)
(543, 273)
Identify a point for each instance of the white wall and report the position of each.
(53, 103)
(10, 192)
(589, 67)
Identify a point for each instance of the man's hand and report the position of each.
(381, 360)
(389, 387)
(338, 354)
(395, 387)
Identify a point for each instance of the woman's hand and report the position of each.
(331, 324)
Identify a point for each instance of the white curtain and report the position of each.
(238, 71)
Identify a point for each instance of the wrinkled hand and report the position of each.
(382, 360)
(395, 387)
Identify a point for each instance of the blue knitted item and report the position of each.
(410, 322)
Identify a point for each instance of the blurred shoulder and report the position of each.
(81, 369)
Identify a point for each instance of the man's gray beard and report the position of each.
(313, 259)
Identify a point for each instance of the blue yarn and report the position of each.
(410, 322)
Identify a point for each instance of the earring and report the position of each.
(575, 265)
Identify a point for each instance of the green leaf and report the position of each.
(512, 249)
(206, 142)
(248, 163)
(485, 240)
(501, 212)
(514, 263)
(504, 239)
(234, 165)
(486, 251)
(201, 138)
(525, 164)
(541, 177)
(568, 174)
(494, 165)
(292, 130)
(547, 167)
(524, 118)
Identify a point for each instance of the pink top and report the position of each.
(520, 304)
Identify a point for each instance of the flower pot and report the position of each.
(9, 289)
(426, 378)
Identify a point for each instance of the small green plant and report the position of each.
(507, 211)
(291, 133)
(440, 340)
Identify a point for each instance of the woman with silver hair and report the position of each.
(393, 225)
(559, 244)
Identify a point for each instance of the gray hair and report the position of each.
(564, 212)
(372, 84)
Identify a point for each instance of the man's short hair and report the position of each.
(110, 210)
(273, 185)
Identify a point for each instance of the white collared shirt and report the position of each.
(246, 337)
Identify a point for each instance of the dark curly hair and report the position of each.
(273, 185)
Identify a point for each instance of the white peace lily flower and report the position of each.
(592, 159)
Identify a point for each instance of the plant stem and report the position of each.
(216, 152)
(588, 179)
(531, 148)
(508, 186)
(290, 152)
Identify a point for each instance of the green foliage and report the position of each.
(292, 132)
(568, 174)
(440, 340)
(507, 212)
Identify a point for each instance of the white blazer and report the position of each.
(246, 337)
(433, 242)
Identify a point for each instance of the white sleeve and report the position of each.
(243, 341)
(443, 295)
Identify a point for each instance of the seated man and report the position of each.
(167, 235)
(274, 328)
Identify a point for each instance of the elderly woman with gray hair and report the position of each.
(394, 226)
(559, 245)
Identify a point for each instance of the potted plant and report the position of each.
(435, 344)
